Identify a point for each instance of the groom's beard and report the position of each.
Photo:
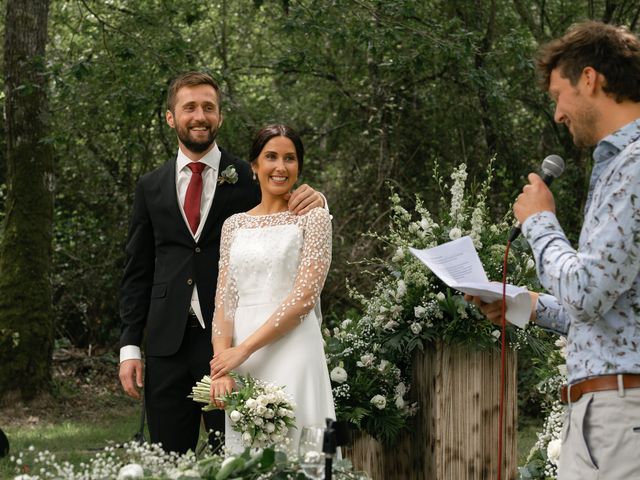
(197, 146)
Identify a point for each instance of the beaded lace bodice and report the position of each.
(279, 259)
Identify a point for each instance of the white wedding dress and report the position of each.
(272, 269)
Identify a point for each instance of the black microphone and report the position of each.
(552, 167)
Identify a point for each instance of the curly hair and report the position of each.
(611, 50)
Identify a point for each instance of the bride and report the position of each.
(273, 265)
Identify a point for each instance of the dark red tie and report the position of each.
(193, 196)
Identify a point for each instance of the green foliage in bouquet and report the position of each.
(370, 353)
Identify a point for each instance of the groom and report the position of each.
(169, 283)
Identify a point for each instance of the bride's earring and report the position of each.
(254, 176)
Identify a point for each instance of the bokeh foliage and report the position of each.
(380, 90)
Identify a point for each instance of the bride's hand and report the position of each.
(225, 361)
(304, 199)
(219, 388)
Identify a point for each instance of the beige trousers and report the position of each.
(601, 437)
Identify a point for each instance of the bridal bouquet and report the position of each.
(261, 412)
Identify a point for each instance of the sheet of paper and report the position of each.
(457, 264)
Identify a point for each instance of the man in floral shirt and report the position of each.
(593, 75)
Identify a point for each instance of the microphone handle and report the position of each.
(515, 232)
(517, 228)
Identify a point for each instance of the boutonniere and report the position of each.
(228, 175)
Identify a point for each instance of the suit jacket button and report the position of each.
(197, 249)
(190, 281)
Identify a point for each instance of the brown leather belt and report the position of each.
(597, 384)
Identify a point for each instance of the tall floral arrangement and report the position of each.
(370, 353)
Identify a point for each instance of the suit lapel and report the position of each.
(169, 196)
(221, 197)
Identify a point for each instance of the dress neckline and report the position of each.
(266, 214)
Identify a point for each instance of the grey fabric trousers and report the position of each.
(601, 437)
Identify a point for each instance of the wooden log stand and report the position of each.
(454, 435)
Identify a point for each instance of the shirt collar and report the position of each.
(211, 159)
(617, 141)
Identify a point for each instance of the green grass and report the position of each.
(77, 440)
(73, 440)
(527, 436)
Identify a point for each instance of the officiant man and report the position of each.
(593, 75)
(169, 283)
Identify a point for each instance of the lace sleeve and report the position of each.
(314, 264)
(226, 291)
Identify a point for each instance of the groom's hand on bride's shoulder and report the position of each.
(304, 199)
(131, 377)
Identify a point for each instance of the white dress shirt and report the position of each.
(209, 182)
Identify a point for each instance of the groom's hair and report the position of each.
(610, 50)
(278, 130)
(191, 79)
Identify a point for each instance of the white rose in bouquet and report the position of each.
(235, 416)
(261, 410)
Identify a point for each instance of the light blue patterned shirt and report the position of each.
(595, 290)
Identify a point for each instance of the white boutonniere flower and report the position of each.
(228, 175)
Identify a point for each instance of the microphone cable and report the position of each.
(503, 357)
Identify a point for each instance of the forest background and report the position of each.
(382, 93)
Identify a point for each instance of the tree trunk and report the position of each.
(26, 328)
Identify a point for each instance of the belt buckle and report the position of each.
(574, 392)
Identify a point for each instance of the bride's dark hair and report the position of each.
(270, 131)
